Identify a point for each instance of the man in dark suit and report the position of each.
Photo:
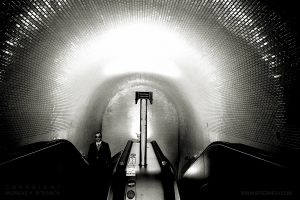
(99, 158)
(99, 154)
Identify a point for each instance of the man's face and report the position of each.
(98, 137)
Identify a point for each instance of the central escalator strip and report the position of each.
(119, 177)
(167, 172)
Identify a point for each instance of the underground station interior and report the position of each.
(197, 99)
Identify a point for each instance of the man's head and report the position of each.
(98, 136)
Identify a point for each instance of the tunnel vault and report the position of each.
(171, 120)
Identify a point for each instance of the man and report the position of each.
(99, 154)
(99, 158)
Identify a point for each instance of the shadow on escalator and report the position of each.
(46, 170)
(117, 185)
(236, 171)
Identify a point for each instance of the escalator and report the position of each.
(236, 171)
(154, 181)
(56, 170)
(52, 170)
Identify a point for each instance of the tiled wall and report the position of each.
(245, 97)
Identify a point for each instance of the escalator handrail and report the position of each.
(167, 173)
(162, 160)
(115, 167)
(116, 191)
(245, 150)
(124, 157)
(35, 148)
(110, 190)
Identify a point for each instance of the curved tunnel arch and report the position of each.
(166, 97)
(238, 76)
(121, 120)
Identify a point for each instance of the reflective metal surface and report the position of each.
(148, 182)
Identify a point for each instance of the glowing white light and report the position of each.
(277, 76)
(141, 39)
(141, 65)
(194, 170)
(61, 135)
(134, 115)
(132, 48)
(197, 169)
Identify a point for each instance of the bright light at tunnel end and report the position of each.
(134, 115)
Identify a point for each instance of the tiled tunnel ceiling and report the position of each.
(249, 51)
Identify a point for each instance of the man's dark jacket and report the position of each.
(99, 159)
